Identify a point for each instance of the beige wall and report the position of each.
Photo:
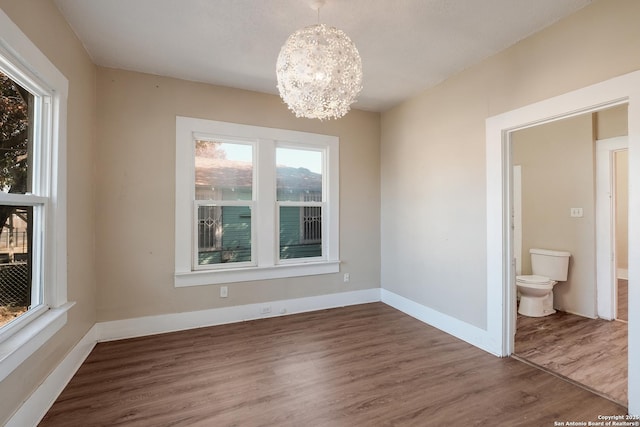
(43, 24)
(433, 218)
(611, 122)
(557, 161)
(136, 186)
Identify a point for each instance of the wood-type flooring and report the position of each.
(623, 299)
(364, 365)
(592, 352)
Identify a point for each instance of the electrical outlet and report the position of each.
(265, 310)
(224, 291)
(576, 213)
(346, 277)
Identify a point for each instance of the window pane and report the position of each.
(15, 261)
(16, 116)
(298, 175)
(224, 234)
(300, 232)
(224, 170)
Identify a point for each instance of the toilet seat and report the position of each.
(534, 279)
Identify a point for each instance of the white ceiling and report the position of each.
(406, 45)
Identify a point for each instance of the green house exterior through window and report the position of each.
(224, 232)
(229, 229)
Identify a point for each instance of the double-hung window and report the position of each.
(33, 298)
(253, 203)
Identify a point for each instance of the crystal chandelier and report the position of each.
(319, 71)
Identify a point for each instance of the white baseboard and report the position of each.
(36, 406)
(150, 325)
(472, 334)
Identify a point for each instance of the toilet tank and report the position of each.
(552, 264)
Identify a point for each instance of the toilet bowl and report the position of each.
(536, 290)
(536, 295)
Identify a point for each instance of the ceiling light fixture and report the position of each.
(319, 71)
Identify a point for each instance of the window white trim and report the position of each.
(25, 59)
(17, 348)
(267, 261)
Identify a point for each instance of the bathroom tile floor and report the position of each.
(591, 352)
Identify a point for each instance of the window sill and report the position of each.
(214, 277)
(19, 346)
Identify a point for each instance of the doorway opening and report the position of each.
(554, 208)
(501, 295)
(612, 227)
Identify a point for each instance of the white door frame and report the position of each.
(620, 90)
(517, 218)
(605, 226)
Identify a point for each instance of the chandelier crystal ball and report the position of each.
(319, 72)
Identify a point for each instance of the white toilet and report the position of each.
(536, 290)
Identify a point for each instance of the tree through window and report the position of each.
(16, 135)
